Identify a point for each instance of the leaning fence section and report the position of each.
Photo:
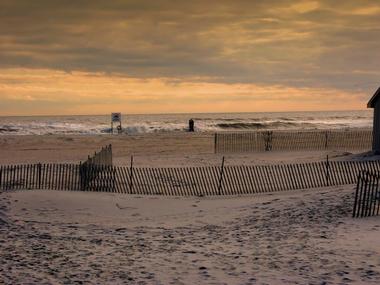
(367, 195)
(103, 157)
(184, 181)
(295, 140)
(97, 172)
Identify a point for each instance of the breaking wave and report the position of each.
(141, 124)
(259, 126)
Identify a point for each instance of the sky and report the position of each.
(161, 56)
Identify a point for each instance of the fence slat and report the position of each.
(292, 141)
(195, 181)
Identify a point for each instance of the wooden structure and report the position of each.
(97, 166)
(367, 195)
(292, 140)
(116, 118)
(374, 103)
(103, 157)
(183, 181)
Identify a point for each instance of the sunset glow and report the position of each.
(94, 57)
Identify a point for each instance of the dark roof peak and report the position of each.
(372, 102)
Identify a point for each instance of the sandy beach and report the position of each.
(302, 237)
(189, 142)
(149, 150)
(293, 237)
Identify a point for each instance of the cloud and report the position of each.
(305, 6)
(42, 91)
(329, 45)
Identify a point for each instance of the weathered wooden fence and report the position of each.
(184, 181)
(96, 171)
(367, 195)
(103, 157)
(295, 140)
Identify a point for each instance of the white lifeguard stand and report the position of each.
(116, 118)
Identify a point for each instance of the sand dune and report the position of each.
(299, 237)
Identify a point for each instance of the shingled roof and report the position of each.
(372, 102)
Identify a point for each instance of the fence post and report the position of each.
(215, 142)
(268, 140)
(131, 176)
(110, 154)
(221, 177)
(80, 175)
(359, 182)
(1, 177)
(39, 167)
(327, 171)
(326, 139)
(364, 195)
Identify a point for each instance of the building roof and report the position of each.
(372, 102)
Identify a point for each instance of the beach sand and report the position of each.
(299, 237)
(149, 150)
(293, 237)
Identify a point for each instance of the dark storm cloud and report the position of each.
(303, 44)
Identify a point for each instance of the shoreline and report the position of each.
(197, 132)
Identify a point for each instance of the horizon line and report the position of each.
(184, 113)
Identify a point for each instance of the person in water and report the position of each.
(191, 125)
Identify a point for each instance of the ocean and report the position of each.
(205, 122)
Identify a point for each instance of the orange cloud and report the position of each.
(43, 91)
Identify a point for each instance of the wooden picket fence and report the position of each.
(367, 195)
(292, 140)
(97, 168)
(103, 157)
(183, 181)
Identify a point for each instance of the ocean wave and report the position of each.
(8, 129)
(263, 125)
(141, 124)
(288, 119)
(224, 119)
